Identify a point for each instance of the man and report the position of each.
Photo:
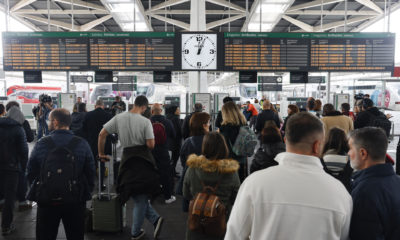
(137, 138)
(78, 100)
(118, 106)
(372, 117)
(163, 129)
(266, 115)
(198, 107)
(91, 127)
(375, 193)
(13, 158)
(43, 116)
(295, 200)
(219, 119)
(254, 113)
(51, 212)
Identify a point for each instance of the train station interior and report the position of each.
(179, 53)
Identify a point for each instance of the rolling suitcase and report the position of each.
(108, 213)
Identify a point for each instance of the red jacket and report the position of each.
(252, 109)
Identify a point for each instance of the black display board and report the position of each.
(162, 76)
(81, 78)
(32, 76)
(47, 51)
(247, 77)
(103, 76)
(270, 87)
(298, 77)
(123, 87)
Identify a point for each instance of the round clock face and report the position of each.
(199, 51)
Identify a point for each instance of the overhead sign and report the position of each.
(32, 76)
(270, 87)
(124, 87)
(103, 76)
(316, 79)
(126, 79)
(298, 77)
(81, 78)
(247, 77)
(297, 99)
(270, 79)
(162, 76)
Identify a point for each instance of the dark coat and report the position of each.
(365, 118)
(210, 172)
(137, 173)
(77, 122)
(91, 127)
(265, 156)
(82, 154)
(283, 129)
(218, 121)
(13, 146)
(185, 126)
(264, 116)
(160, 152)
(190, 146)
(175, 143)
(376, 200)
(28, 131)
(230, 132)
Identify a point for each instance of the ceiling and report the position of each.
(221, 15)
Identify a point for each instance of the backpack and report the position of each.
(344, 176)
(58, 181)
(245, 143)
(207, 214)
(381, 121)
(160, 135)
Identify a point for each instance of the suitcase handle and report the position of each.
(108, 181)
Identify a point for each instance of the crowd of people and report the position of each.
(317, 174)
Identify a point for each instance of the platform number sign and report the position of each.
(199, 51)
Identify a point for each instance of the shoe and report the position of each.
(171, 200)
(139, 236)
(8, 231)
(157, 227)
(25, 205)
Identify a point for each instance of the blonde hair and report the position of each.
(232, 115)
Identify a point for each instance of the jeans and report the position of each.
(141, 209)
(42, 127)
(8, 188)
(72, 216)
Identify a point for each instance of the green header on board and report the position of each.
(307, 35)
(89, 34)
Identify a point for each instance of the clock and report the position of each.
(199, 51)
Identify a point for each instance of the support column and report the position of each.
(328, 83)
(198, 79)
(68, 82)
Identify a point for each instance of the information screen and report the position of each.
(132, 51)
(47, 51)
(266, 51)
(352, 51)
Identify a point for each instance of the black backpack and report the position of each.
(344, 176)
(58, 181)
(381, 121)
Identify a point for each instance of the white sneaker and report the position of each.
(171, 200)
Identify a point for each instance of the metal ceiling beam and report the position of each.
(227, 4)
(60, 12)
(187, 12)
(82, 4)
(92, 24)
(56, 23)
(172, 21)
(306, 27)
(250, 15)
(335, 12)
(341, 23)
(142, 11)
(223, 21)
(166, 4)
(315, 3)
(371, 5)
(26, 23)
(21, 4)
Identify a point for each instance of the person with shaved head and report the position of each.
(163, 131)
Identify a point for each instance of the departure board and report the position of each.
(47, 51)
(132, 51)
(352, 51)
(266, 51)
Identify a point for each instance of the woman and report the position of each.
(292, 109)
(271, 145)
(332, 118)
(173, 114)
(335, 156)
(210, 169)
(77, 118)
(199, 126)
(233, 119)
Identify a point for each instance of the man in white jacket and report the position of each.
(295, 200)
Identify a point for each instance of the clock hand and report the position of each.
(201, 47)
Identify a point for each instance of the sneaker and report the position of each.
(171, 200)
(25, 205)
(8, 231)
(157, 227)
(139, 235)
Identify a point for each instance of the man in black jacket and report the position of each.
(91, 127)
(13, 158)
(368, 115)
(160, 151)
(266, 115)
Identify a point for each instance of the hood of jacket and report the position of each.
(223, 166)
(158, 118)
(8, 122)
(273, 148)
(16, 114)
(375, 111)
